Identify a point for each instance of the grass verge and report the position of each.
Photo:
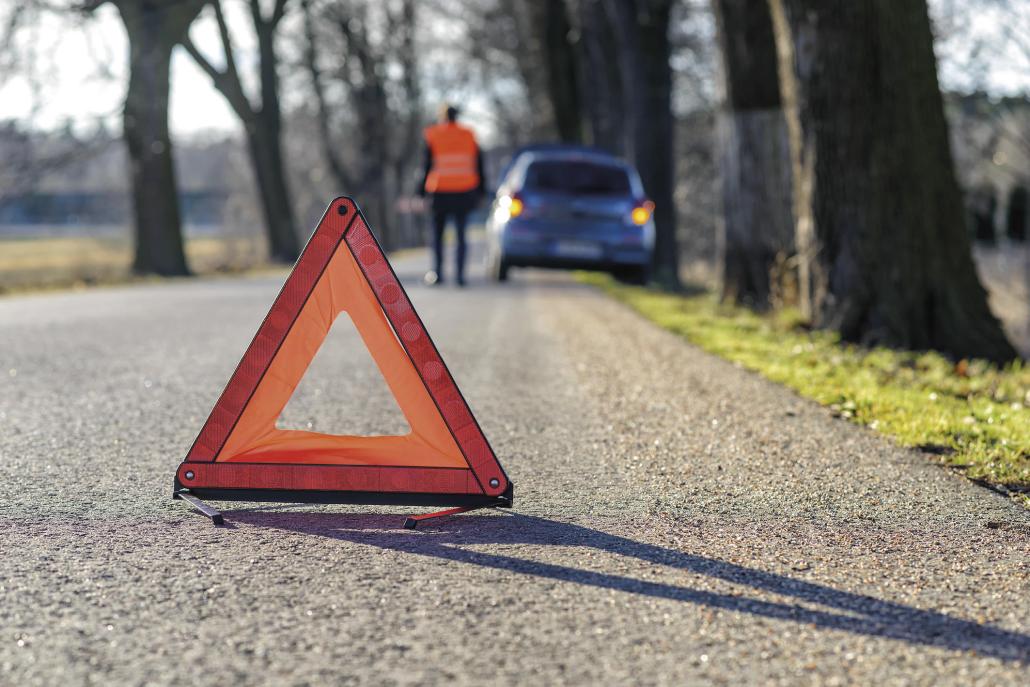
(971, 416)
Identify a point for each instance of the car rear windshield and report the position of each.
(577, 177)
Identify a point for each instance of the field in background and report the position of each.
(86, 256)
(78, 261)
(76, 256)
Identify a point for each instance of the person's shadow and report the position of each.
(857, 613)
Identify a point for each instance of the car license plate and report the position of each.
(578, 249)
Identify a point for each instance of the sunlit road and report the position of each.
(678, 520)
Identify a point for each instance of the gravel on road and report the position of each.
(677, 519)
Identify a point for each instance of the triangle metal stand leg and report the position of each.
(412, 522)
(216, 517)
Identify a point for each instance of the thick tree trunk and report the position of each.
(381, 154)
(153, 31)
(1016, 214)
(344, 179)
(270, 167)
(266, 161)
(757, 228)
(263, 125)
(651, 91)
(405, 25)
(885, 253)
(549, 69)
(155, 195)
(599, 79)
(562, 72)
(374, 114)
(641, 31)
(528, 16)
(621, 20)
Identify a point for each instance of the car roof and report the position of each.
(563, 148)
(603, 159)
(562, 151)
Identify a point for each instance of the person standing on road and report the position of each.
(454, 177)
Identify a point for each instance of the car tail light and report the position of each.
(512, 204)
(641, 213)
(517, 206)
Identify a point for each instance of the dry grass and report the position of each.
(49, 263)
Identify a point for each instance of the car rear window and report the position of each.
(577, 177)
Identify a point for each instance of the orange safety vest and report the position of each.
(454, 152)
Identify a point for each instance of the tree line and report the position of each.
(879, 246)
(839, 190)
(155, 27)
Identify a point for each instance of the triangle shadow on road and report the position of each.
(859, 613)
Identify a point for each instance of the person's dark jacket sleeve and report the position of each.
(425, 174)
(479, 169)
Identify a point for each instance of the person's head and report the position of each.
(448, 113)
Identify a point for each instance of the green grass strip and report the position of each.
(971, 416)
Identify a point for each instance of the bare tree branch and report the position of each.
(333, 158)
(278, 12)
(226, 81)
(227, 46)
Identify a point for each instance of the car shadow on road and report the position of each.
(856, 613)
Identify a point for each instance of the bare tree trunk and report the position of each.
(563, 74)
(758, 227)
(362, 70)
(621, 20)
(153, 30)
(373, 114)
(405, 158)
(529, 18)
(334, 159)
(654, 139)
(267, 134)
(263, 124)
(1017, 217)
(599, 78)
(642, 33)
(885, 252)
(550, 30)
(264, 147)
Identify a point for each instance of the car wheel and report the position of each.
(502, 270)
(633, 275)
(499, 268)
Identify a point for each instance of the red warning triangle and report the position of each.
(240, 454)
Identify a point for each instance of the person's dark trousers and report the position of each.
(454, 206)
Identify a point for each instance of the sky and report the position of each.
(83, 75)
(80, 65)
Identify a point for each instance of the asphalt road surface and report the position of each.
(678, 519)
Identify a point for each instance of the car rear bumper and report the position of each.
(573, 264)
(573, 253)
